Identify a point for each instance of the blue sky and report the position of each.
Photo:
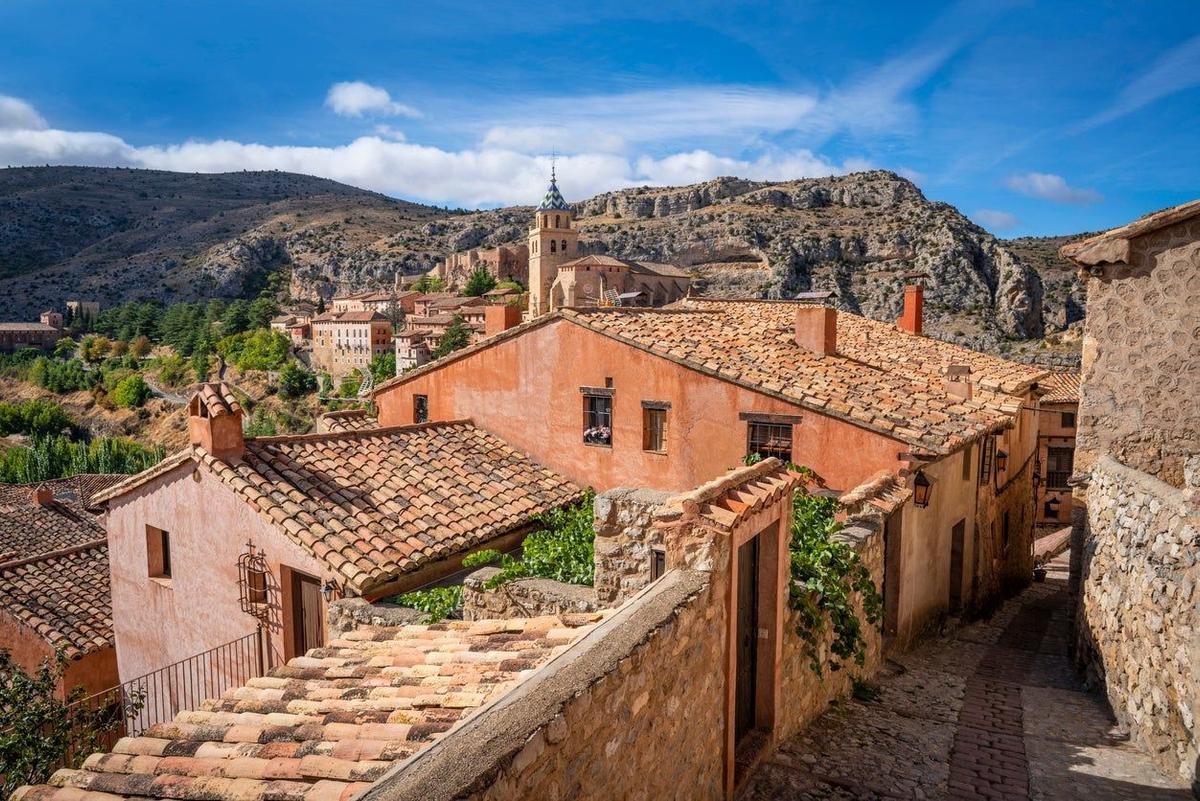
(1032, 118)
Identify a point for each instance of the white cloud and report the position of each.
(16, 113)
(1049, 186)
(1174, 71)
(700, 165)
(996, 220)
(356, 98)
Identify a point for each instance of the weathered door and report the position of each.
(957, 538)
(308, 630)
(891, 576)
(747, 639)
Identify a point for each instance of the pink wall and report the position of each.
(526, 390)
(158, 622)
(96, 671)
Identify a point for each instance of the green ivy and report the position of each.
(561, 549)
(438, 603)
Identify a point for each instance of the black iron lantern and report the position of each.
(1001, 460)
(921, 490)
(328, 588)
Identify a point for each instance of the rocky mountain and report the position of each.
(116, 234)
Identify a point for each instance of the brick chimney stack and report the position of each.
(43, 495)
(958, 381)
(215, 422)
(500, 318)
(914, 307)
(816, 329)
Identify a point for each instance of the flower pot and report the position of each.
(1039, 573)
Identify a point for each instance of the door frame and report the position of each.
(289, 577)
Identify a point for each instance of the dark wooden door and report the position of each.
(891, 575)
(308, 630)
(746, 673)
(957, 537)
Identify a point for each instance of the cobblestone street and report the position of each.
(992, 711)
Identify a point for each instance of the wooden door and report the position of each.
(308, 629)
(957, 543)
(746, 692)
(891, 575)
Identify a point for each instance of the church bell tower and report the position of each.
(552, 241)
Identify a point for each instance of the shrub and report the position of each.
(60, 376)
(139, 346)
(383, 367)
(295, 381)
(172, 371)
(260, 349)
(479, 282)
(438, 603)
(131, 392)
(561, 549)
(36, 418)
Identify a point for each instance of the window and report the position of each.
(158, 553)
(771, 439)
(556, 223)
(553, 246)
(1068, 419)
(420, 408)
(1050, 509)
(985, 459)
(564, 246)
(1060, 463)
(654, 429)
(597, 419)
(658, 563)
(966, 463)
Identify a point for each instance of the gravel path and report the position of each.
(992, 711)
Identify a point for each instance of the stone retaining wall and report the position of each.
(529, 597)
(1139, 624)
(625, 539)
(348, 614)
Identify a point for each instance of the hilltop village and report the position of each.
(597, 535)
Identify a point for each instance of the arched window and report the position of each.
(564, 246)
(552, 243)
(555, 220)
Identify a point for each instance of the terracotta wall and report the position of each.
(526, 389)
(157, 622)
(95, 671)
(1053, 434)
(1140, 348)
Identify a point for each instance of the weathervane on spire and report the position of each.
(553, 162)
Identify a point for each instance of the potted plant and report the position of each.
(1039, 569)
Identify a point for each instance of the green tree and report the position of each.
(236, 318)
(320, 305)
(348, 388)
(262, 310)
(260, 349)
(37, 418)
(94, 347)
(59, 457)
(456, 336)
(295, 381)
(172, 370)
(139, 346)
(64, 348)
(479, 282)
(40, 730)
(429, 283)
(326, 385)
(131, 392)
(202, 361)
(383, 366)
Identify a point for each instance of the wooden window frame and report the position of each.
(420, 408)
(158, 553)
(753, 426)
(594, 418)
(654, 426)
(1069, 420)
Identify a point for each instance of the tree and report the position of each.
(383, 366)
(236, 318)
(429, 283)
(202, 361)
(395, 314)
(262, 310)
(41, 730)
(326, 386)
(320, 305)
(256, 350)
(94, 347)
(64, 348)
(480, 282)
(295, 381)
(348, 388)
(139, 346)
(456, 336)
(131, 392)
(118, 348)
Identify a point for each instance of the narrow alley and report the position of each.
(993, 711)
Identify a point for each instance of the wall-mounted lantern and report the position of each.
(921, 490)
(328, 588)
(1001, 460)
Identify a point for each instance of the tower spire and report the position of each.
(553, 163)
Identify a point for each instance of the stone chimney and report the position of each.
(500, 318)
(914, 307)
(816, 329)
(215, 422)
(958, 381)
(43, 495)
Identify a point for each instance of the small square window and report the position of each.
(770, 439)
(1068, 419)
(658, 564)
(654, 430)
(158, 553)
(597, 419)
(420, 408)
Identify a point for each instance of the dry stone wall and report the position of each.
(625, 539)
(1139, 624)
(531, 597)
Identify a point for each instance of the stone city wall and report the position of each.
(1139, 626)
(609, 718)
(530, 597)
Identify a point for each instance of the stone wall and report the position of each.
(1139, 626)
(348, 614)
(529, 597)
(1141, 351)
(805, 694)
(609, 718)
(625, 538)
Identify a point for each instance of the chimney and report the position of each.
(816, 329)
(215, 422)
(958, 381)
(43, 495)
(914, 303)
(500, 318)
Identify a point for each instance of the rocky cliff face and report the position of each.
(120, 234)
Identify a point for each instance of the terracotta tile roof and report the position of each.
(886, 492)
(1064, 388)
(378, 503)
(327, 725)
(28, 529)
(741, 492)
(362, 316)
(881, 378)
(79, 488)
(1113, 246)
(38, 327)
(348, 420)
(217, 399)
(634, 266)
(63, 596)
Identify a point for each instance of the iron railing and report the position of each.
(159, 695)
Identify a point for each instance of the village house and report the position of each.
(417, 343)
(668, 398)
(17, 336)
(344, 342)
(1056, 448)
(376, 300)
(236, 538)
(52, 318)
(54, 581)
(297, 327)
(1136, 523)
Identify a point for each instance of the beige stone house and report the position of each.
(344, 342)
(1057, 424)
(1137, 527)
